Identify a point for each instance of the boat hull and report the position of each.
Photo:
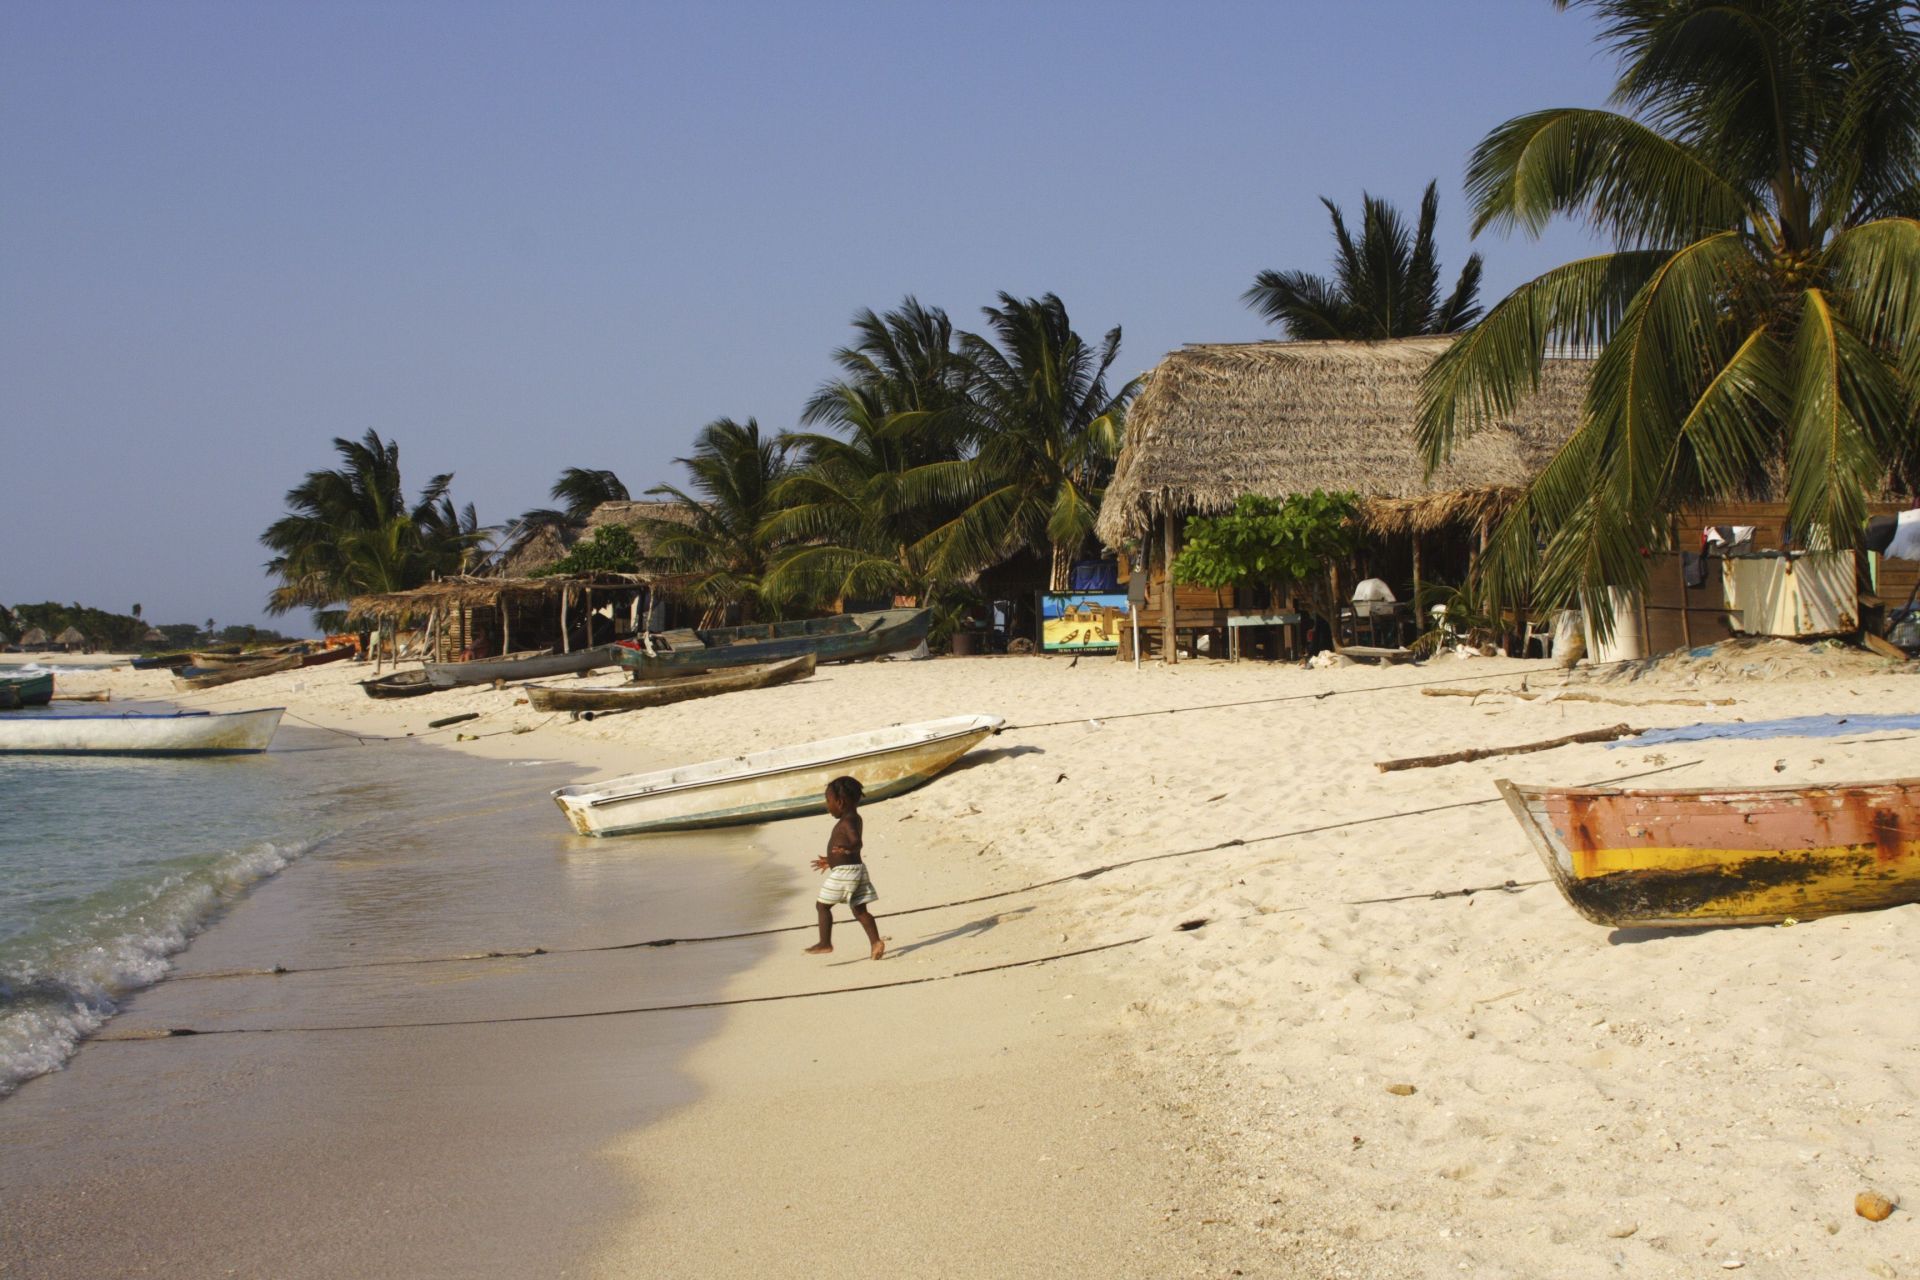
(843, 638)
(197, 678)
(1680, 859)
(449, 675)
(189, 733)
(667, 692)
(788, 782)
(401, 684)
(26, 691)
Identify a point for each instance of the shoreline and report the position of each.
(1579, 1102)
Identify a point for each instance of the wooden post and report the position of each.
(1168, 655)
(1686, 628)
(506, 644)
(565, 645)
(1419, 615)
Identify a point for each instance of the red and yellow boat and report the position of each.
(1753, 855)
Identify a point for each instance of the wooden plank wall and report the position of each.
(1678, 615)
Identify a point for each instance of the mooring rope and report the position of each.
(1090, 873)
(173, 1032)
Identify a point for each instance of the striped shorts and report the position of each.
(847, 883)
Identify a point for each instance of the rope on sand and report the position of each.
(167, 1033)
(1089, 873)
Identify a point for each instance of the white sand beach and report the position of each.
(1351, 1067)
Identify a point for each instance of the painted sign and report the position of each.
(1077, 621)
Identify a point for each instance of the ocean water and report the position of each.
(111, 865)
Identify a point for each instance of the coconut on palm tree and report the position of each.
(1384, 285)
(721, 542)
(351, 531)
(1045, 430)
(1757, 324)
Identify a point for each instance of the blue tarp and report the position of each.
(1793, 727)
(1094, 575)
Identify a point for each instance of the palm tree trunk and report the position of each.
(1062, 571)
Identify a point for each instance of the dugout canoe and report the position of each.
(177, 733)
(161, 662)
(663, 693)
(26, 691)
(401, 684)
(1712, 856)
(842, 637)
(533, 665)
(786, 782)
(203, 678)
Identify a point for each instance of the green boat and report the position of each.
(26, 691)
(844, 637)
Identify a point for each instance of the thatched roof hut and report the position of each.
(546, 545)
(1278, 418)
(634, 514)
(154, 636)
(36, 638)
(71, 638)
(478, 593)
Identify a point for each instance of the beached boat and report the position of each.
(786, 782)
(202, 678)
(665, 692)
(401, 684)
(1753, 855)
(161, 662)
(320, 657)
(178, 733)
(26, 691)
(843, 637)
(211, 660)
(535, 665)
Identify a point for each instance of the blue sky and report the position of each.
(522, 237)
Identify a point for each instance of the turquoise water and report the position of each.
(110, 865)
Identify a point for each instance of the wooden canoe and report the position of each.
(27, 691)
(201, 678)
(842, 637)
(210, 660)
(535, 665)
(320, 657)
(179, 733)
(662, 693)
(161, 662)
(1754, 855)
(401, 684)
(786, 782)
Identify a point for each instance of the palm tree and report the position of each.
(578, 490)
(1387, 285)
(898, 404)
(720, 541)
(1758, 323)
(350, 531)
(1046, 432)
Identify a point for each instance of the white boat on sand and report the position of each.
(177, 733)
(785, 782)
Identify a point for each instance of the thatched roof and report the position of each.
(475, 593)
(631, 514)
(544, 546)
(34, 636)
(154, 636)
(72, 635)
(1278, 418)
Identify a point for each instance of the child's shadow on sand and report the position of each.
(972, 929)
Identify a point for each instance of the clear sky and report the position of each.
(520, 237)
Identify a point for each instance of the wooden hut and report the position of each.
(71, 639)
(458, 618)
(1217, 421)
(34, 640)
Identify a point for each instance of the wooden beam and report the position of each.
(1481, 753)
(1167, 654)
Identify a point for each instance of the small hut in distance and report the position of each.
(35, 640)
(71, 640)
(1276, 419)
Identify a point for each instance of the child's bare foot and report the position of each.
(820, 949)
(879, 948)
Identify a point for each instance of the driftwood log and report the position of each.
(1526, 696)
(1481, 753)
(98, 695)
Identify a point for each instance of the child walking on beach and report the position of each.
(847, 879)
